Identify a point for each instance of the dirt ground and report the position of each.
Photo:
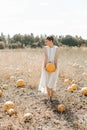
(26, 64)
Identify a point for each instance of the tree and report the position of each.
(17, 38)
(2, 38)
(70, 41)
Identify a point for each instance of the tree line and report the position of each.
(29, 40)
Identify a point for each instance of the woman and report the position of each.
(48, 80)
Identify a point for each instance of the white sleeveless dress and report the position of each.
(49, 79)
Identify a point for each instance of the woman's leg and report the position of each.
(48, 91)
(51, 94)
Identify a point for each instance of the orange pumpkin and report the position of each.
(27, 117)
(73, 82)
(84, 90)
(69, 89)
(50, 67)
(1, 92)
(61, 108)
(8, 105)
(66, 81)
(5, 86)
(11, 111)
(20, 83)
(74, 86)
(12, 78)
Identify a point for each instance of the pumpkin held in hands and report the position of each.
(50, 67)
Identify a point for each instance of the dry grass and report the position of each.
(26, 64)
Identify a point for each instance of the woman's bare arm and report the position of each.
(45, 57)
(56, 57)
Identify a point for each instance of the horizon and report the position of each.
(42, 35)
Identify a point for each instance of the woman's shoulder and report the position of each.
(56, 46)
(45, 46)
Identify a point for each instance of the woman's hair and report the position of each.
(50, 38)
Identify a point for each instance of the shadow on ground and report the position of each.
(68, 115)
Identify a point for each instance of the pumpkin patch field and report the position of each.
(23, 107)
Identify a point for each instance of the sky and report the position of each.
(57, 17)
